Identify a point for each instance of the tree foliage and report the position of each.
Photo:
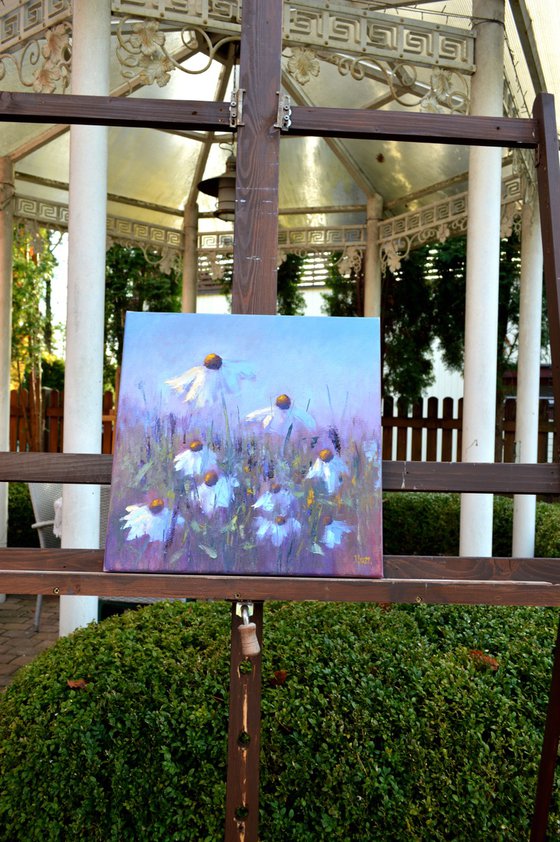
(345, 292)
(423, 306)
(134, 281)
(33, 264)
(289, 299)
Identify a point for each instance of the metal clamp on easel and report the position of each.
(247, 630)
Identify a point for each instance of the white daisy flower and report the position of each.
(328, 468)
(195, 459)
(280, 416)
(204, 384)
(277, 529)
(214, 492)
(333, 532)
(275, 499)
(153, 519)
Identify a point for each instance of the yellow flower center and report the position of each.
(156, 505)
(280, 520)
(213, 361)
(210, 478)
(326, 455)
(195, 445)
(283, 402)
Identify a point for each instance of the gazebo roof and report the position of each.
(351, 53)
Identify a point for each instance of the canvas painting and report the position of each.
(248, 445)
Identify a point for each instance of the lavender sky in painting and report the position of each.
(296, 357)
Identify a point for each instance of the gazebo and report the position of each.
(362, 127)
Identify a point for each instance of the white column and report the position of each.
(6, 238)
(483, 256)
(87, 203)
(528, 374)
(190, 258)
(372, 268)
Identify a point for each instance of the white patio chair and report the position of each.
(43, 495)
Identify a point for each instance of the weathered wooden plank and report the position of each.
(77, 109)
(395, 566)
(242, 791)
(255, 249)
(455, 591)
(92, 468)
(78, 468)
(471, 477)
(414, 127)
(548, 177)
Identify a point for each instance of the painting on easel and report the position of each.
(248, 445)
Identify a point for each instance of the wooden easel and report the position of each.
(262, 120)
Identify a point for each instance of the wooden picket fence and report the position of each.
(53, 421)
(429, 430)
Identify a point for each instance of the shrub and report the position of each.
(404, 723)
(20, 517)
(428, 524)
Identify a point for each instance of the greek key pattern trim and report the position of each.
(218, 15)
(29, 21)
(362, 32)
(399, 235)
(343, 26)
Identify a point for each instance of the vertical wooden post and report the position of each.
(254, 291)
(548, 174)
(242, 798)
(258, 147)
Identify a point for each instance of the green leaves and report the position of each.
(376, 724)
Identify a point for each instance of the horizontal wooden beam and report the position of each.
(305, 120)
(475, 477)
(395, 566)
(392, 589)
(413, 126)
(76, 109)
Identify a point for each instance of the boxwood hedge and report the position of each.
(379, 723)
(428, 524)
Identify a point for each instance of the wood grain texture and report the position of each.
(408, 579)
(396, 567)
(255, 248)
(413, 126)
(76, 109)
(548, 177)
(78, 468)
(242, 791)
(501, 478)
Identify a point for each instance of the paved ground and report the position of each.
(19, 643)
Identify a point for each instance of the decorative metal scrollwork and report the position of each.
(43, 65)
(446, 90)
(143, 54)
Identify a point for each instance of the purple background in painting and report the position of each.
(329, 367)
